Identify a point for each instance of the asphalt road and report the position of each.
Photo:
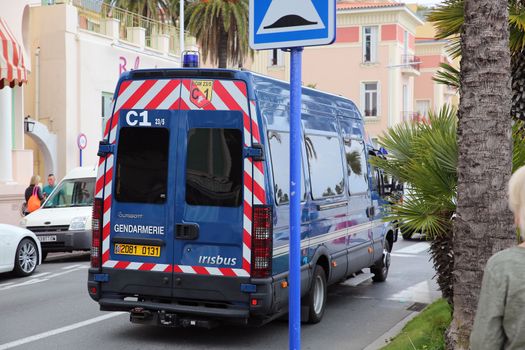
(52, 310)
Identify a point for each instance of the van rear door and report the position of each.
(214, 192)
(137, 235)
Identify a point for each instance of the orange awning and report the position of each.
(12, 68)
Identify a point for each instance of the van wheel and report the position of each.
(26, 258)
(381, 267)
(316, 297)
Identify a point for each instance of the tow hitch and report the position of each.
(141, 316)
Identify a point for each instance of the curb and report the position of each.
(384, 339)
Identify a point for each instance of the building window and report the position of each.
(422, 108)
(370, 93)
(275, 58)
(107, 109)
(369, 44)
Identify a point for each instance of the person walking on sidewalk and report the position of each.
(32, 190)
(50, 185)
(500, 318)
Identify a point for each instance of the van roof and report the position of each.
(265, 87)
(81, 172)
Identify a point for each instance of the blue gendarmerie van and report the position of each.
(191, 210)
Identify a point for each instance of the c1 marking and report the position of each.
(135, 121)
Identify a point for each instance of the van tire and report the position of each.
(381, 267)
(316, 298)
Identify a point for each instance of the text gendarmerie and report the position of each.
(150, 230)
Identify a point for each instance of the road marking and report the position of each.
(414, 248)
(423, 292)
(37, 275)
(404, 255)
(6, 284)
(70, 267)
(58, 331)
(38, 279)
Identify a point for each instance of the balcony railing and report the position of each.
(410, 116)
(411, 61)
(92, 13)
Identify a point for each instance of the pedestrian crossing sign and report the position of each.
(291, 23)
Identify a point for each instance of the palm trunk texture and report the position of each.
(223, 49)
(483, 225)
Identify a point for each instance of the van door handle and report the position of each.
(370, 212)
(187, 231)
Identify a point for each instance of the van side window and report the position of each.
(356, 164)
(280, 154)
(142, 165)
(214, 167)
(325, 165)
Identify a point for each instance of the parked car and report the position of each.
(20, 250)
(63, 223)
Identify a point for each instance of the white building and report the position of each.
(77, 50)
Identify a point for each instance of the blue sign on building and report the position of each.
(291, 23)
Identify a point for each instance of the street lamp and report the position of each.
(29, 125)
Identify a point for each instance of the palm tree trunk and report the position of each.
(483, 224)
(223, 49)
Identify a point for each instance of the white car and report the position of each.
(63, 223)
(20, 250)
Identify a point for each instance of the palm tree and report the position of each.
(221, 29)
(448, 20)
(158, 10)
(483, 223)
(424, 156)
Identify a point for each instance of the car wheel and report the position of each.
(316, 297)
(26, 257)
(381, 267)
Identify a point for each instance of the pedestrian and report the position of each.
(50, 185)
(500, 318)
(33, 195)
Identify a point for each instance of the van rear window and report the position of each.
(214, 167)
(142, 165)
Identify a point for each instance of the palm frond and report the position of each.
(447, 18)
(447, 75)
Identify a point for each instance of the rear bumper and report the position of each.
(218, 298)
(108, 304)
(66, 241)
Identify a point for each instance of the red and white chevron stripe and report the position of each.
(164, 94)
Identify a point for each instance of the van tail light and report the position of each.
(96, 238)
(262, 241)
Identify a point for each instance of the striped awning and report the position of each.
(12, 68)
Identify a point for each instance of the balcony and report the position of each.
(130, 28)
(410, 65)
(413, 117)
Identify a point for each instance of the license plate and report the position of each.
(50, 238)
(136, 249)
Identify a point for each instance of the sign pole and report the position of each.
(81, 157)
(295, 199)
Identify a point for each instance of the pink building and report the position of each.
(374, 61)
